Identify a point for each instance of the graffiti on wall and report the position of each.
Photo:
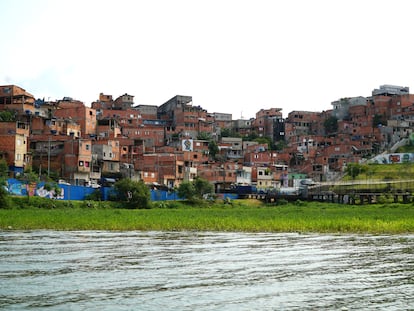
(393, 158)
(51, 194)
(16, 187)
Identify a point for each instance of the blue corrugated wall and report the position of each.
(71, 192)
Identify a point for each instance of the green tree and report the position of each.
(280, 145)
(228, 132)
(354, 169)
(4, 195)
(378, 119)
(4, 169)
(7, 116)
(202, 187)
(134, 194)
(331, 125)
(251, 137)
(195, 190)
(186, 190)
(28, 177)
(264, 140)
(204, 136)
(213, 149)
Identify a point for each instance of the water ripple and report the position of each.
(98, 270)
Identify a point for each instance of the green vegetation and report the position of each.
(406, 149)
(4, 198)
(378, 120)
(195, 191)
(228, 132)
(397, 171)
(240, 215)
(355, 169)
(331, 125)
(213, 149)
(133, 194)
(132, 210)
(7, 116)
(386, 179)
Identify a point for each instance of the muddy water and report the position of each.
(99, 270)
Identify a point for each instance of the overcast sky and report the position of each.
(231, 56)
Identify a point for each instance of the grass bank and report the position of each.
(240, 216)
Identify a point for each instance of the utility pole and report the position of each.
(48, 159)
(40, 146)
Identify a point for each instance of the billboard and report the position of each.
(187, 144)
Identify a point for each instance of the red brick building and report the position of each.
(76, 111)
(14, 146)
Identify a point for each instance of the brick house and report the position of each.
(76, 111)
(77, 162)
(15, 98)
(14, 146)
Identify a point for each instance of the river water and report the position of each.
(99, 270)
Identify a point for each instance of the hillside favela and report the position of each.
(86, 147)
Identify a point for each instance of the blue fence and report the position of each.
(67, 192)
(71, 192)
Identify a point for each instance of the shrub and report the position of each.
(94, 196)
(282, 202)
(89, 204)
(300, 203)
(134, 194)
(166, 204)
(4, 198)
(196, 190)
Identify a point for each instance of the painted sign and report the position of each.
(187, 145)
(393, 158)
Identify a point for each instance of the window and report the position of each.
(87, 147)
(80, 163)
